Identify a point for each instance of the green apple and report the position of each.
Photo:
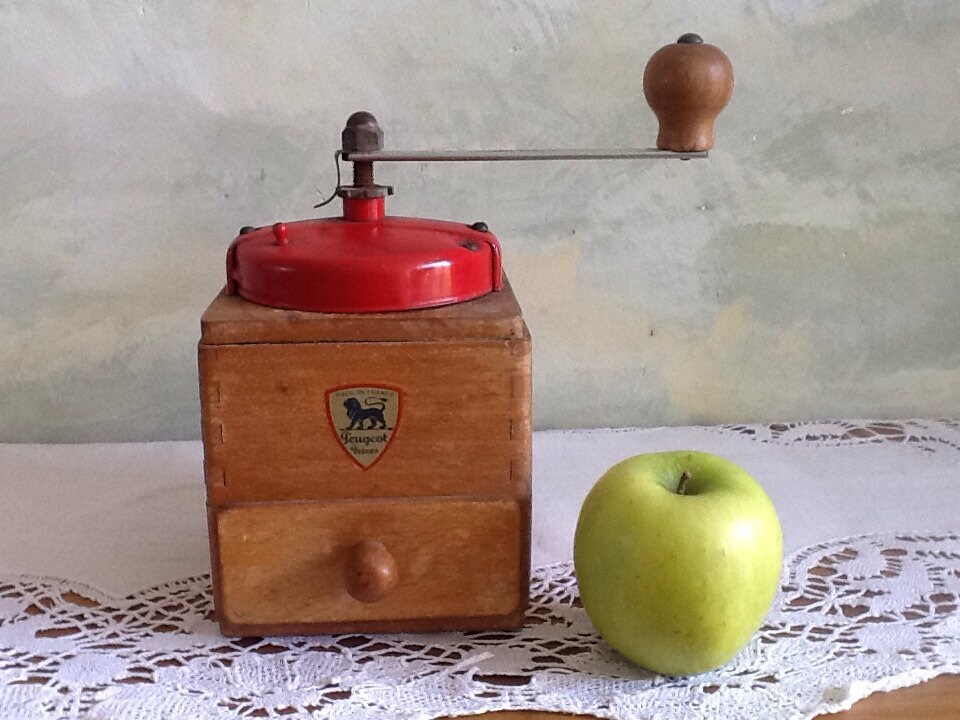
(678, 558)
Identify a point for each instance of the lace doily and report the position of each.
(853, 616)
(928, 435)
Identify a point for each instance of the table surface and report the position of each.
(121, 518)
(937, 699)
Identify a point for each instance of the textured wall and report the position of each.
(809, 268)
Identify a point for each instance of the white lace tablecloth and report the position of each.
(105, 610)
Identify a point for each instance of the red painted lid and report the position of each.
(375, 263)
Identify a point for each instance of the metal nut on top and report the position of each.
(361, 134)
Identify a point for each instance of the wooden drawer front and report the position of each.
(464, 426)
(289, 564)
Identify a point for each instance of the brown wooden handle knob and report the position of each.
(687, 84)
(371, 571)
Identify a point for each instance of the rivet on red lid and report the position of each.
(280, 233)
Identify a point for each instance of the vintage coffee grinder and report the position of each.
(365, 394)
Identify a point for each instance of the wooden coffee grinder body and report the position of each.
(411, 514)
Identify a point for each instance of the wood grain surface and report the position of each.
(319, 525)
(289, 564)
(465, 424)
(231, 319)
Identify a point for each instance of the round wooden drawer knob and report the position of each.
(687, 84)
(371, 571)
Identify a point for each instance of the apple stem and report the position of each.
(682, 485)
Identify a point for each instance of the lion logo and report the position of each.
(358, 414)
(364, 419)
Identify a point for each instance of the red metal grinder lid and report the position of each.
(364, 262)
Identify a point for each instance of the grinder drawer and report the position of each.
(397, 564)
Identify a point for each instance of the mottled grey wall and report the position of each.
(808, 269)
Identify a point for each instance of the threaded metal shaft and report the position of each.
(362, 174)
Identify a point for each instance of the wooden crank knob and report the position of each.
(687, 84)
(371, 571)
